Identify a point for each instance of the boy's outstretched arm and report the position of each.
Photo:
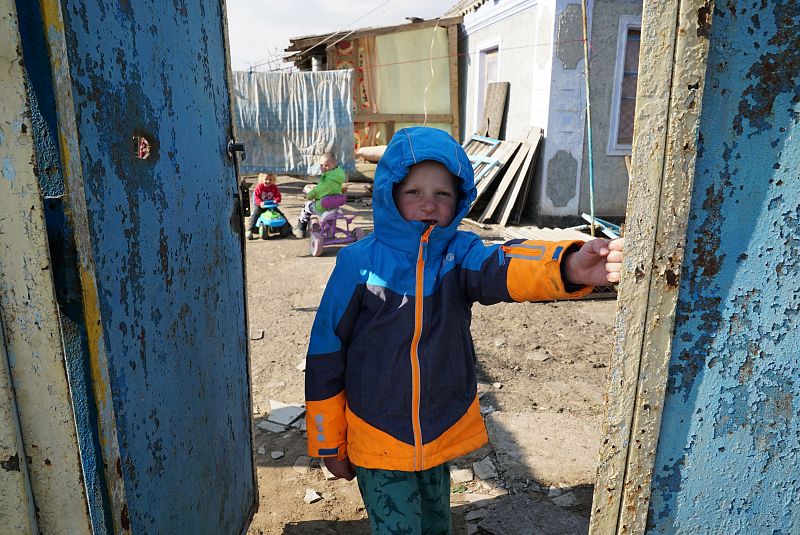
(596, 263)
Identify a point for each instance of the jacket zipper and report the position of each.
(415, 370)
(527, 252)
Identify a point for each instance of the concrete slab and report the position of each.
(548, 448)
(271, 427)
(522, 515)
(284, 413)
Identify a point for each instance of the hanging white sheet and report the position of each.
(287, 120)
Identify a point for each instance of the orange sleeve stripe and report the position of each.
(326, 426)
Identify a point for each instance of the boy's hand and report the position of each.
(598, 262)
(343, 468)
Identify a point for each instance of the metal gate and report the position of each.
(147, 260)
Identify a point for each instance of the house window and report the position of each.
(623, 103)
(488, 71)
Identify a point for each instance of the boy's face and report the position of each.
(265, 179)
(326, 164)
(427, 194)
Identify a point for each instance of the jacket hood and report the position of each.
(407, 147)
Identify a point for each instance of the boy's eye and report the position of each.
(445, 194)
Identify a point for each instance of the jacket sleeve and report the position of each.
(329, 184)
(518, 270)
(276, 194)
(325, 362)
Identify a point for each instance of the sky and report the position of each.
(258, 30)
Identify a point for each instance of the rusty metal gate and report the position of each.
(128, 113)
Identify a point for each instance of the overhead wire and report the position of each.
(331, 35)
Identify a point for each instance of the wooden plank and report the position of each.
(494, 106)
(628, 167)
(452, 50)
(504, 153)
(523, 182)
(475, 223)
(506, 180)
(535, 137)
(402, 118)
(523, 176)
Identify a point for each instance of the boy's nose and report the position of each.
(427, 204)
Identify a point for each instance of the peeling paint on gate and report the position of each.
(159, 262)
(729, 451)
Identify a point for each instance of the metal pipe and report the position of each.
(588, 113)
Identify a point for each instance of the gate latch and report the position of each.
(235, 147)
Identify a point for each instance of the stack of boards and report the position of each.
(504, 172)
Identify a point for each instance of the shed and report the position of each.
(404, 75)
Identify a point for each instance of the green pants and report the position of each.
(408, 503)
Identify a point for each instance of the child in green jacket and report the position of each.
(330, 183)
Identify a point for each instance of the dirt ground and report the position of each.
(542, 374)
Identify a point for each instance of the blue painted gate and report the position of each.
(144, 122)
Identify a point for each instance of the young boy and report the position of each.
(391, 393)
(330, 183)
(266, 190)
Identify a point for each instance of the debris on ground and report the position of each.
(460, 475)
(257, 335)
(271, 427)
(301, 464)
(311, 496)
(485, 469)
(284, 413)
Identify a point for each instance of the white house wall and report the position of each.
(510, 24)
(610, 172)
(564, 137)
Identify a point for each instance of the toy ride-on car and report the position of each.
(272, 222)
(332, 226)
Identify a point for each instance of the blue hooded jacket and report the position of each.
(390, 370)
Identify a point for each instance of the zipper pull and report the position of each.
(424, 242)
(501, 255)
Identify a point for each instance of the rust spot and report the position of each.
(672, 279)
(11, 464)
(773, 74)
(704, 21)
(124, 520)
(746, 370)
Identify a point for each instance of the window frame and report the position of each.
(626, 22)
